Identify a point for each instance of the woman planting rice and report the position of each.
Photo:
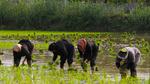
(88, 52)
(23, 48)
(66, 51)
(128, 58)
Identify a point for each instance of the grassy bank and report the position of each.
(73, 16)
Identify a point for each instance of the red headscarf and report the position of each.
(81, 44)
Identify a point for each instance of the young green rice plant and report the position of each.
(124, 37)
(96, 68)
(98, 44)
(142, 42)
(147, 44)
(100, 51)
(46, 41)
(138, 42)
(130, 44)
(134, 33)
(146, 34)
(114, 54)
(71, 69)
(146, 49)
(85, 66)
(112, 43)
(41, 50)
(0, 61)
(110, 49)
(32, 57)
(1, 53)
(57, 62)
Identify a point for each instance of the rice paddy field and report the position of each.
(42, 72)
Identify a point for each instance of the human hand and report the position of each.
(86, 60)
(123, 70)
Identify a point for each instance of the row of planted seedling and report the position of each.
(48, 74)
(99, 39)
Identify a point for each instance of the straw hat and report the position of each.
(17, 47)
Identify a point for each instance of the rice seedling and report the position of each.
(134, 33)
(100, 51)
(0, 61)
(57, 62)
(147, 44)
(130, 44)
(142, 42)
(111, 49)
(114, 54)
(1, 53)
(96, 68)
(146, 34)
(146, 49)
(85, 66)
(46, 74)
(41, 50)
(138, 42)
(71, 69)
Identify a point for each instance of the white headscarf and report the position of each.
(17, 47)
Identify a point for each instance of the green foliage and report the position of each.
(128, 1)
(72, 16)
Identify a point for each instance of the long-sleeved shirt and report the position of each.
(26, 49)
(133, 57)
(90, 49)
(64, 48)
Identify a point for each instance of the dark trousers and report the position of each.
(69, 58)
(132, 67)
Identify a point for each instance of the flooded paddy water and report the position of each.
(109, 45)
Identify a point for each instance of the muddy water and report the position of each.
(105, 61)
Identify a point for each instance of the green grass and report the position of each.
(25, 33)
